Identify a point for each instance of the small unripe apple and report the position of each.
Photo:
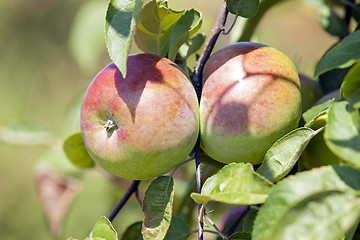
(144, 125)
(251, 97)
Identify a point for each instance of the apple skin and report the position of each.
(251, 97)
(310, 92)
(144, 125)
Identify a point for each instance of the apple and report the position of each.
(251, 97)
(310, 91)
(144, 125)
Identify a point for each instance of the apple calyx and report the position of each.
(110, 126)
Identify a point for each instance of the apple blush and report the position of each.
(251, 98)
(144, 125)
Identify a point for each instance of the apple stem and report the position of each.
(232, 25)
(133, 188)
(197, 82)
(186, 161)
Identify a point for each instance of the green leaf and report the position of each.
(185, 28)
(319, 204)
(157, 207)
(236, 183)
(246, 220)
(76, 152)
(342, 134)
(351, 86)
(192, 45)
(311, 114)
(155, 27)
(354, 100)
(249, 219)
(103, 229)
(284, 153)
(178, 229)
(120, 27)
(351, 82)
(331, 22)
(316, 116)
(350, 234)
(240, 236)
(243, 8)
(342, 55)
(133, 232)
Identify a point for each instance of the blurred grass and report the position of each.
(41, 80)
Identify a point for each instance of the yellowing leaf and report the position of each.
(157, 207)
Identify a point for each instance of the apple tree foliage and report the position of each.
(279, 200)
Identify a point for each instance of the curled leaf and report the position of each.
(56, 194)
(189, 23)
(103, 229)
(154, 30)
(284, 153)
(315, 112)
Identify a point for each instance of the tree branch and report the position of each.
(214, 226)
(133, 188)
(218, 28)
(199, 187)
(197, 82)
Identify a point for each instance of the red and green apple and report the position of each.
(144, 125)
(251, 97)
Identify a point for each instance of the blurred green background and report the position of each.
(49, 52)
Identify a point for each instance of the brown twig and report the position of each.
(197, 82)
(133, 188)
(218, 28)
(214, 226)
